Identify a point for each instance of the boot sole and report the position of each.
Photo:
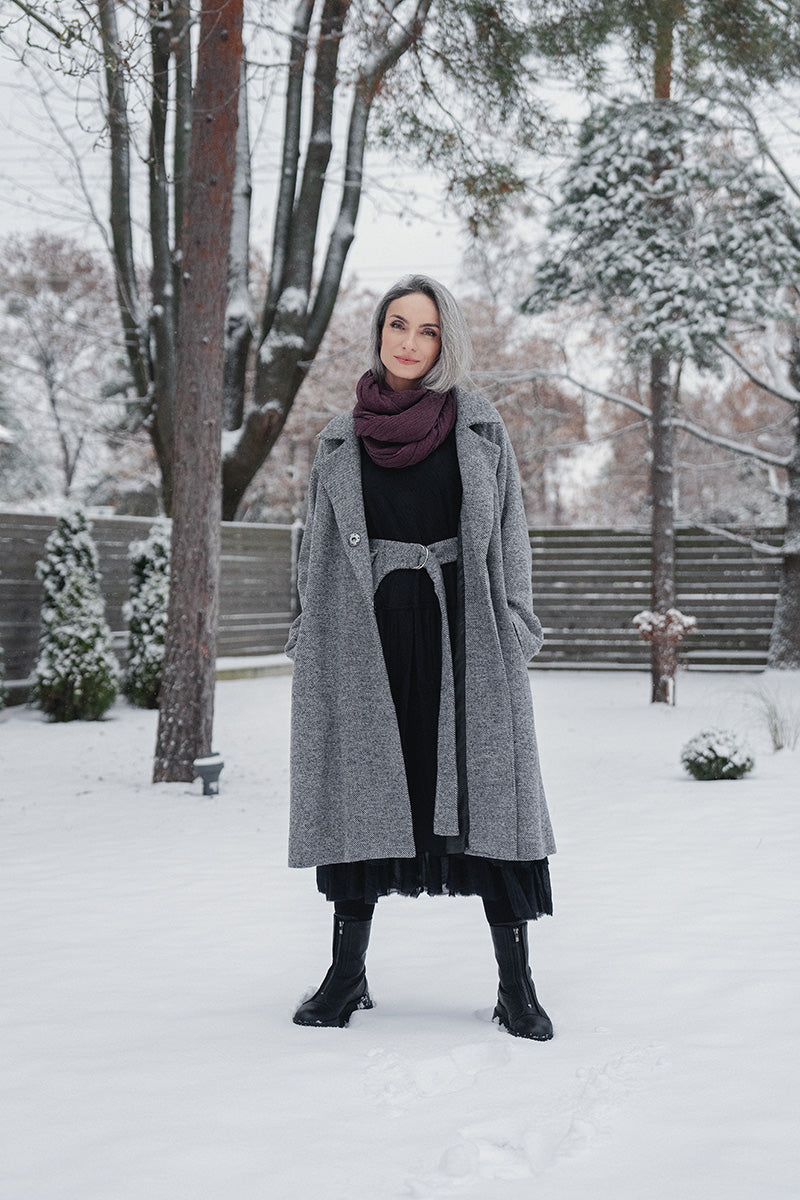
(341, 1019)
(500, 1015)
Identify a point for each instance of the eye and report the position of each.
(395, 324)
(431, 333)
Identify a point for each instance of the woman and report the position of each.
(414, 760)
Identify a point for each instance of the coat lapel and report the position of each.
(340, 475)
(477, 459)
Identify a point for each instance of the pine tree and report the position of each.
(76, 672)
(146, 615)
(670, 224)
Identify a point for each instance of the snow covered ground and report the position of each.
(153, 946)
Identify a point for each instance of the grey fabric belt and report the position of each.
(389, 556)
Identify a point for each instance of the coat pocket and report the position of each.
(529, 636)
(294, 633)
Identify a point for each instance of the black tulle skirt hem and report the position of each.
(525, 886)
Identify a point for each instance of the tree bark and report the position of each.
(239, 315)
(162, 317)
(187, 699)
(663, 657)
(663, 653)
(784, 642)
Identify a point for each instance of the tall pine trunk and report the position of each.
(663, 654)
(187, 696)
(784, 642)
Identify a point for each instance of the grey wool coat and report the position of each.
(349, 797)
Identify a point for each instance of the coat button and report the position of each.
(354, 539)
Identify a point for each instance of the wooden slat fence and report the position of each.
(588, 584)
(256, 594)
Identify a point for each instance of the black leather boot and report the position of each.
(344, 988)
(517, 1007)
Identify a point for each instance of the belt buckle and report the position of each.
(424, 563)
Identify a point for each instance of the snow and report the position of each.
(154, 946)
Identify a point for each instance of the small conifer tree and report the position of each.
(76, 672)
(146, 615)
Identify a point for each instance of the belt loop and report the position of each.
(424, 563)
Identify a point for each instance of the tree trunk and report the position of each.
(187, 698)
(784, 642)
(239, 316)
(664, 655)
(162, 317)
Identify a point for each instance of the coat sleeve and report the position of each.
(303, 559)
(517, 555)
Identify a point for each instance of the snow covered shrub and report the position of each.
(146, 615)
(669, 627)
(716, 754)
(76, 672)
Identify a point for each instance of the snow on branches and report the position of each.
(673, 227)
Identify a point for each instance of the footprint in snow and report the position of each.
(566, 1126)
(402, 1079)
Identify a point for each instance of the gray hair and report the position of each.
(455, 356)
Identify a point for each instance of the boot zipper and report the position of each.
(520, 969)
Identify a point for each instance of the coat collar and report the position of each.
(478, 455)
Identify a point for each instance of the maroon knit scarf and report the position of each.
(401, 428)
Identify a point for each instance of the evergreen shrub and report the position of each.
(76, 671)
(716, 754)
(146, 615)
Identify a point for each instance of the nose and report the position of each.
(409, 341)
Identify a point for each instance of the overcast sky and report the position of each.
(402, 224)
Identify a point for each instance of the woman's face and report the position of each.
(410, 340)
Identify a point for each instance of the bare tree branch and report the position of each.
(69, 33)
(791, 397)
(120, 215)
(715, 439)
(764, 456)
(373, 71)
(542, 373)
(320, 144)
(759, 547)
(291, 157)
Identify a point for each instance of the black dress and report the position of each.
(422, 504)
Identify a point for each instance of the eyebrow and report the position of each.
(424, 325)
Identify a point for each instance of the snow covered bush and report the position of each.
(669, 627)
(146, 615)
(716, 754)
(76, 672)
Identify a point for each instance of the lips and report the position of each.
(407, 362)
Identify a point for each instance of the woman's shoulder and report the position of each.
(478, 413)
(476, 409)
